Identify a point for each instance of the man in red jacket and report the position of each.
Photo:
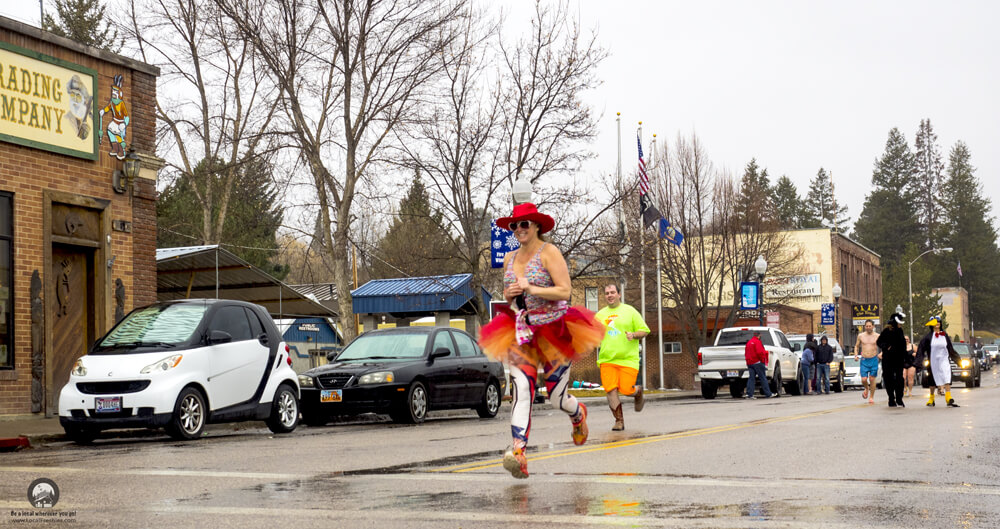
(756, 357)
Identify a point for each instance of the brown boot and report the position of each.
(639, 400)
(619, 419)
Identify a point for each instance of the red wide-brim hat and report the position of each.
(528, 211)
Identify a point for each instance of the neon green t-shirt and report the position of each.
(616, 348)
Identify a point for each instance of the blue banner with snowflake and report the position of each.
(501, 242)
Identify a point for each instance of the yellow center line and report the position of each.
(480, 465)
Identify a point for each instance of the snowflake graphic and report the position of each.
(511, 242)
(497, 244)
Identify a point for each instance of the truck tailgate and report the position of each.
(719, 358)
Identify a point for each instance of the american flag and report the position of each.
(960, 269)
(643, 177)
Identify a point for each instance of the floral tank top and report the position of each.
(540, 310)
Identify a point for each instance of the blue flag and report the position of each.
(670, 233)
(501, 242)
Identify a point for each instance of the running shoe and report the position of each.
(580, 431)
(516, 463)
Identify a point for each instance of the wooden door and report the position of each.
(72, 313)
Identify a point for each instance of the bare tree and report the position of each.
(349, 73)
(491, 123)
(723, 236)
(214, 106)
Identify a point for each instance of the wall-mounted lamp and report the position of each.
(124, 178)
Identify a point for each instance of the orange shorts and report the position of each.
(618, 377)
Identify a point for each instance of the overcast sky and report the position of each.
(797, 84)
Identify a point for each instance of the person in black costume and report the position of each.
(892, 342)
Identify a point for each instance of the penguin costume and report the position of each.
(936, 348)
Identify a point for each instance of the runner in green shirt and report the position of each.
(619, 356)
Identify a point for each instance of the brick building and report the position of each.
(77, 231)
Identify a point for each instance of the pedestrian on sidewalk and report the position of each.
(892, 342)
(910, 367)
(824, 355)
(756, 357)
(808, 358)
(619, 355)
(540, 328)
(936, 347)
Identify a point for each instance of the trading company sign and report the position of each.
(792, 286)
(864, 311)
(47, 103)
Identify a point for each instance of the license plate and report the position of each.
(732, 374)
(331, 395)
(107, 404)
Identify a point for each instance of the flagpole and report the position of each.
(659, 284)
(642, 275)
(621, 214)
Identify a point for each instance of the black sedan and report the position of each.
(403, 372)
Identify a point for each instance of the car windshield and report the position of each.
(962, 349)
(154, 325)
(991, 348)
(385, 346)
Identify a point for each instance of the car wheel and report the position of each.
(81, 435)
(708, 389)
(189, 416)
(776, 385)
(413, 410)
(491, 401)
(796, 387)
(284, 410)
(737, 388)
(838, 386)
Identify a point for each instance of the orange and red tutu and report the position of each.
(565, 339)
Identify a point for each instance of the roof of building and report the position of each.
(417, 296)
(213, 272)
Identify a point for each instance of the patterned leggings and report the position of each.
(522, 380)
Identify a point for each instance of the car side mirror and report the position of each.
(440, 352)
(263, 339)
(796, 347)
(332, 355)
(218, 336)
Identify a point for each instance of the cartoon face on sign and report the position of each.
(119, 119)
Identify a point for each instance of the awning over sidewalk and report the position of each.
(213, 272)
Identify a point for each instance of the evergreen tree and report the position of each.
(85, 22)
(251, 223)
(926, 184)
(787, 205)
(823, 203)
(755, 187)
(417, 244)
(971, 234)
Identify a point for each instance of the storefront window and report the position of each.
(6, 281)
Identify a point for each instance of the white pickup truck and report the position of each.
(725, 362)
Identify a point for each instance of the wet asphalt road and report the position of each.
(810, 461)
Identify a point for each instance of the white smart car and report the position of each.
(180, 365)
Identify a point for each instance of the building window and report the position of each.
(671, 348)
(6, 281)
(591, 302)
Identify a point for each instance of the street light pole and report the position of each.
(909, 275)
(760, 265)
(836, 291)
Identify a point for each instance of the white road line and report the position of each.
(159, 472)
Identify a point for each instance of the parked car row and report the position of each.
(180, 365)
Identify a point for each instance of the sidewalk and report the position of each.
(26, 431)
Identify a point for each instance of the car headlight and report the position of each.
(78, 369)
(965, 363)
(927, 363)
(379, 377)
(306, 381)
(164, 364)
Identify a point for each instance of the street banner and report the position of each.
(501, 242)
(773, 319)
(827, 314)
(749, 295)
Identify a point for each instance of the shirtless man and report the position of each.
(869, 360)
